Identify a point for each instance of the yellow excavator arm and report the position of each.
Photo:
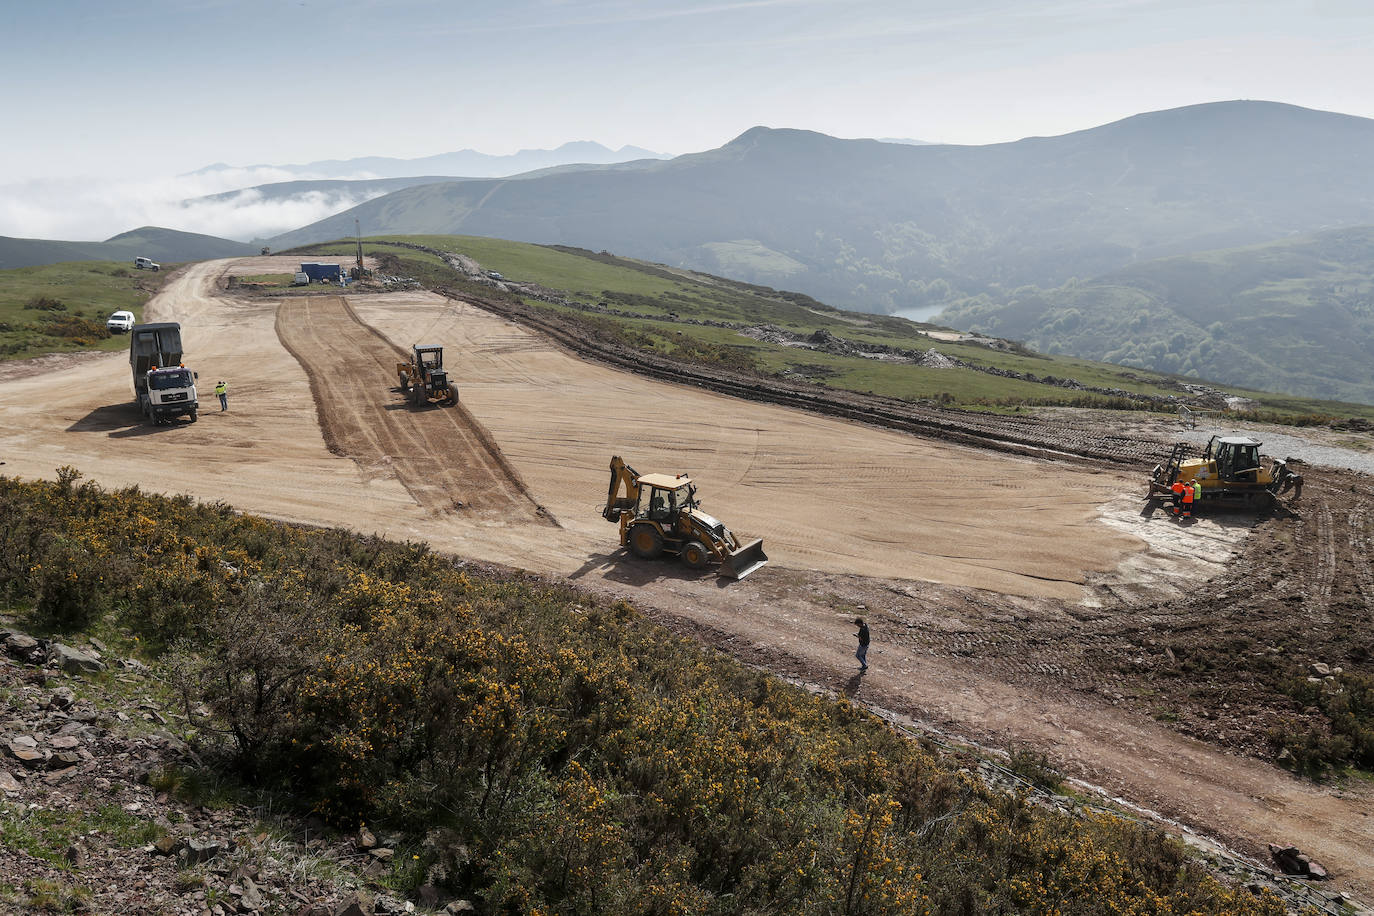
(622, 477)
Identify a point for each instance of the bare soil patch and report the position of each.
(442, 455)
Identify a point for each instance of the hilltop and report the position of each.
(164, 245)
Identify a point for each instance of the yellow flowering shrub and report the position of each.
(591, 762)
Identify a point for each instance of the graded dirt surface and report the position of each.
(1013, 600)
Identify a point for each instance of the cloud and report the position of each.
(91, 210)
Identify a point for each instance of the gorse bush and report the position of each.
(1346, 738)
(589, 761)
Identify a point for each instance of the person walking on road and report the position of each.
(222, 390)
(862, 654)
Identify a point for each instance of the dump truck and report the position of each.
(424, 379)
(1230, 473)
(163, 387)
(659, 515)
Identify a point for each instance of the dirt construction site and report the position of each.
(1018, 597)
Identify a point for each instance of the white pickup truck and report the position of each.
(120, 322)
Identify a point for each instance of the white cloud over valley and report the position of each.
(94, 209)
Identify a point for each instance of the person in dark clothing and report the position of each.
(862, 654)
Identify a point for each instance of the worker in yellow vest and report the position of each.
(222, 392)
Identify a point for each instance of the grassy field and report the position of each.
(63, 307)
(658, 296)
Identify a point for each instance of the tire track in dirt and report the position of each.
(1360, 544)
(1324, 555)
(443, 456)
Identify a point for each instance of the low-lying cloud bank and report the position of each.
(90, 210)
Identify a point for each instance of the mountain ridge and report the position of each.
(469, 162)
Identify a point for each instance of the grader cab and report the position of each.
(424, 379)
(659, 515)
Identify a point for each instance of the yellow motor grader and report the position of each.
(424, 379)
(1231, 472)
(659, 514)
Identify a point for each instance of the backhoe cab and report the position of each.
(424, 379)
(659, 514)
(1230, 472)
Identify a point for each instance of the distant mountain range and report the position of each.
(467, 162)
(169, 245)
(884, 227)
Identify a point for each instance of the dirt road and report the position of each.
(975, 568)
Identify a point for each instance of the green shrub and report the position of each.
(45, 304)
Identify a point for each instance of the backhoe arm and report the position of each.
(621, 475)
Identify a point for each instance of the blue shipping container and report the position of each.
(316, 271)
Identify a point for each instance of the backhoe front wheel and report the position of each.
(645, 542)
(695, 555)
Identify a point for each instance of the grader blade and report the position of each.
(739, 563)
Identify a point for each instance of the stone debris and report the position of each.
(934, 359)
(76, 755)
(74, 661)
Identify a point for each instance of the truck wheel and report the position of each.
(645, 542)
(695, 555)
(193, 416)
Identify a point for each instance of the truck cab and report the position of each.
(171, 393)
(163, 387)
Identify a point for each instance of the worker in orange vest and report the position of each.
(1177, 489)
(1189, 494)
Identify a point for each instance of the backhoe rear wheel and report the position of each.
(645, 542)
(695, 555)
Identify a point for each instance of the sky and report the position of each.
(110, 105)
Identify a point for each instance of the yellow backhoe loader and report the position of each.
(424, 379)
(1231, 472)
(659, 514)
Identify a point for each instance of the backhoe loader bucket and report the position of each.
(739, 563)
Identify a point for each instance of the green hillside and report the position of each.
(1296, 316)
(699, 318)
(166, 246)
(60, 307)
